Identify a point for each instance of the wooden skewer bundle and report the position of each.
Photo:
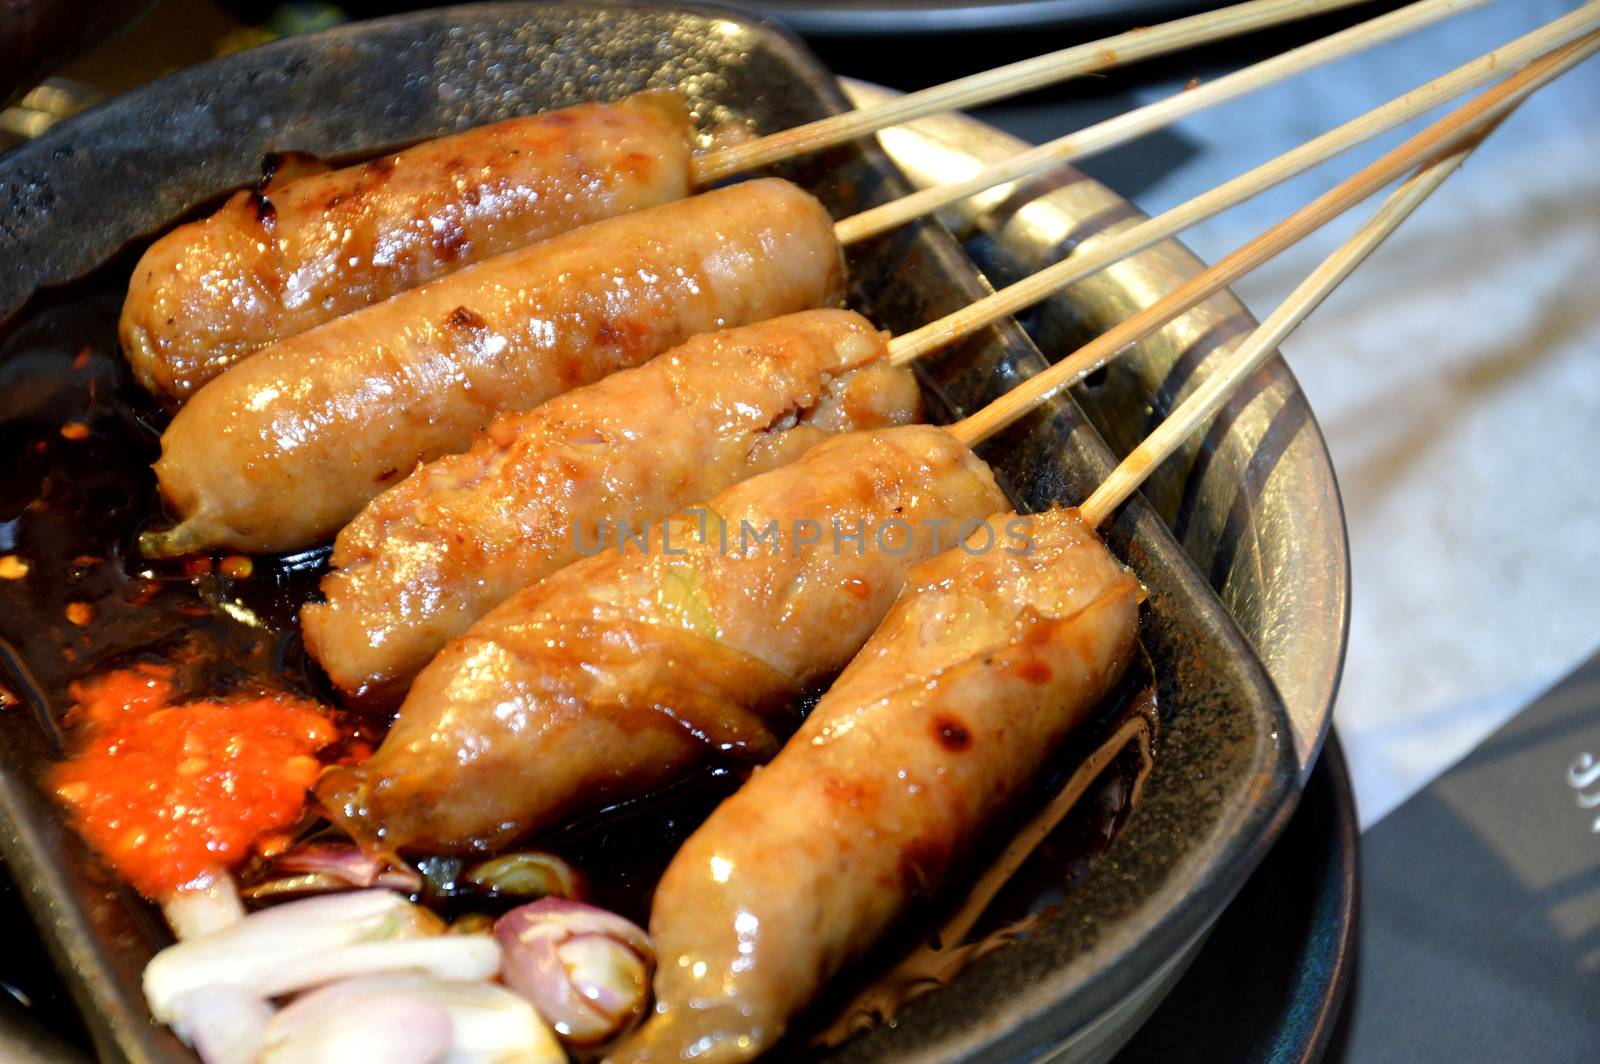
(1133, 124)
(1090, 260)
(1491, 106)
(1015, 78)
(1071, 62)
(1543, 54)
(997, 84)
(1437, 151)
(1198, 408)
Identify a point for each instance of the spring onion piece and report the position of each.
(410, 1019)
(586, 970)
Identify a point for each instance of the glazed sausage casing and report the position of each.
(622, 672)
(431, 555)
(272, 264)
(290, 444)
(974, 678)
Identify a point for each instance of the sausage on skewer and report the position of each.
(622, 672)
(273, 263)
(979, 671)
(431, 555)
(290, 444)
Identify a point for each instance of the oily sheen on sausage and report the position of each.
(289, 445)
(983, 666)
(274, 262)
(626, 670)
(431, 555)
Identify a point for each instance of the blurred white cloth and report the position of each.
(1457, 377)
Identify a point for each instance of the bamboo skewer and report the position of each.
(1486, 108)
(1208, 398)
(1102, 253)
(1011, 80)
(1133, 124)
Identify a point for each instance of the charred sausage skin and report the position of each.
(622, 672)
(277, 261)
(954, 705)
(431, 555)
(289, 445)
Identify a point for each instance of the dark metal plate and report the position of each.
(1226, 777)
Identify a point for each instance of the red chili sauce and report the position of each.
(166, 792)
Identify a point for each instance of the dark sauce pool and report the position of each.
(77, 437)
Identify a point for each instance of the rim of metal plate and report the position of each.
(840, 18)
(1254, 501)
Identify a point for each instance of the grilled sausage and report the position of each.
(438, 550)
(275, 262)
(976, 675)
(622, 672)
(290, 444)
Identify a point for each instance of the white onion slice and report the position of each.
(224, 1024)
(258, 952)
(411, 1019)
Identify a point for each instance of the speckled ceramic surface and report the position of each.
(1225, 776)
